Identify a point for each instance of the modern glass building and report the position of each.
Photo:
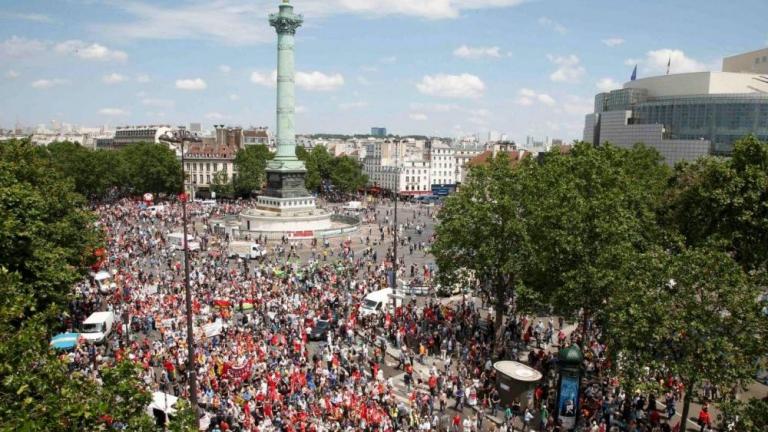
(684, 116)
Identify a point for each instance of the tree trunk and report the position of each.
(687, 398)
(503, 287)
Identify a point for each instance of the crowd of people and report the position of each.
(426, 364)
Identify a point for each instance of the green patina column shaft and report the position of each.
(285, 23)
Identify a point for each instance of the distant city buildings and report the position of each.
(125, 135)
(685, 116)
(379, 132)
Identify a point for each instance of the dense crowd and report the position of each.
(258, 370)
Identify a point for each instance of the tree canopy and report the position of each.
(590, 210)
(251, 164)
(724, 202)
(130, 170)
(47, 239)
(692, 314)
(483, 229)
(344, 172)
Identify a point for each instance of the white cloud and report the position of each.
(353, 105)
(546, 99)
(48, 83)
(191, 84)
(17, 47)
(234, 97)
(310, 81)
(452, 86)
(318, 81)
(418, 116)
(143, 78)
(656, 62)
(468, 52)
(613, 42)
(569, 69)
(607, 84)
(529, 97)
(388, 60)
(241, 22)
(369, 68)
(553, 25)
(430, 9)
(264, 79)
(92, 51)
(438, 108)
(301, 109)
(215, 116)
(159, 103)
(34, 17)
(225, 69)
(363, 81)
(578, 106)
(113, 112)
(232, 22)
(12, 74)
(114, 78)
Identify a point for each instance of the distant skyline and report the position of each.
(428, 67)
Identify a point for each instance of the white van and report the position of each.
(245, 250)
(103, 282)
(98, 326)
(176, 240)
(379, 301)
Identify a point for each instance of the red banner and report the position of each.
(241, 372)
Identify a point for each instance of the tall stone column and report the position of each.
(285, 23)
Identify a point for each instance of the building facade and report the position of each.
(755, 62)
(683, 116)
(126, 135)
(203, 163)
(442, 162)
(379, 132)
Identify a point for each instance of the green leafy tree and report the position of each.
(93, 172)
(717, 201)
(693, 315)
(251, 164)
(45, 232)
(483, 229)
(749, 416)
(590, 210)
(347, 174)
(150, 168)
(319, 165)
(222, 186)
(46, 243)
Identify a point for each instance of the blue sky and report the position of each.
(437, 67)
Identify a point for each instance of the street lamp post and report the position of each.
(394, 247)
(180, 137)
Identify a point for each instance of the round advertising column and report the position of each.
(516, 381)
(569, 386)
